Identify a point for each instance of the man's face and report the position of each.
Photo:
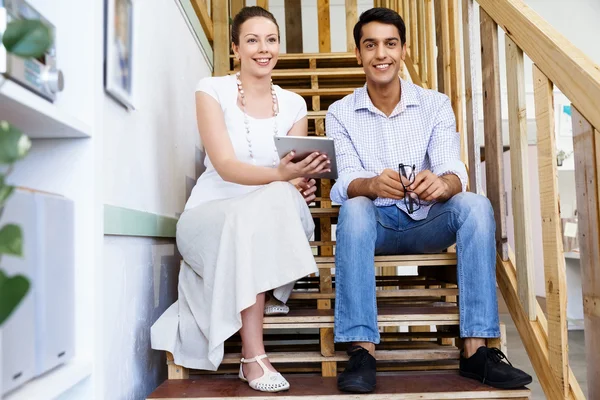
(381, 52)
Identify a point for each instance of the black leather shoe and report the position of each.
(359, 375)
(487, 367)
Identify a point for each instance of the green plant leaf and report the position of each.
(12, 291)
(14, 145)
(11, 240)
(27, 38)
(5, 191)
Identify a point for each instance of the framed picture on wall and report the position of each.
(118, 51)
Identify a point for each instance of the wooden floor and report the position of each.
(408, 385)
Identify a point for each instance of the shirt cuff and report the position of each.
(339, 191)
(454, 167)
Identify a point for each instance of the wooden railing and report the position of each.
(432, 24)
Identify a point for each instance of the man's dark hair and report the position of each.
(244, 15)
(382, 15)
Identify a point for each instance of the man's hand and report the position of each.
(430, 187)
(306, 187)
(387, 185)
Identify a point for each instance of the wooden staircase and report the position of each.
(417, 313)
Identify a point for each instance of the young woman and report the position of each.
(246, 225)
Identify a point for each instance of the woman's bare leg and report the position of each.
(252, 337)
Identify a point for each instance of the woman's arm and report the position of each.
(213, 132)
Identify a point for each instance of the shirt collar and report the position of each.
(409, 97)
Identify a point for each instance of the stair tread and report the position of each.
(434, 292)
(395, 315)
(436, 352)
(399, 260)
(403, 385)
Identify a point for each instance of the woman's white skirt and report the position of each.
(233, 250)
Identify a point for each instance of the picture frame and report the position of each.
(118, 51)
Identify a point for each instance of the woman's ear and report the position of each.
(235, 50)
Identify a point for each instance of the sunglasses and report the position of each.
(411, 199)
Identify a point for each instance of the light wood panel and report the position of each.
(201, 11)
(351, 20)
(517, 121)
(324, 26)
(554, 262)
(293, 26)
(573, 72)
(586, 142)
(494, 165)
(471, 103)
(221, 40)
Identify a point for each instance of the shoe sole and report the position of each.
(499, 385)
(356, 388)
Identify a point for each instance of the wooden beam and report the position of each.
(324, 26)
(351, 20)
(262, 3)
(554, 262)
(573, 72)
(410, 66)
(517, 123)
(430, 47)
(586, 142)
(293, 26)
(422, 41)
(236, 6)
(472, 127)
(414, 33)
(221, 40)
(456, 78)
(175, 371)
(533, 333)
(443, 47)
(492, 118)
(201, 11)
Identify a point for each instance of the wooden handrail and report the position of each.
(573, 72)
(201, 11)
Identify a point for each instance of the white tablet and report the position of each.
(304, 146)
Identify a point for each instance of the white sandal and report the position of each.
(269, 382)
(275, 307)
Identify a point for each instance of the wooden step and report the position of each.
(324, 212)
(399, 261)
(387, 316)
(380, 294)
(439, 353)
(398, 385)
(324, 91)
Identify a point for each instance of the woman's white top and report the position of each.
(292, 108)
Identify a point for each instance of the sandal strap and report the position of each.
(254, 359)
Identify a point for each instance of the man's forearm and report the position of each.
(361, 187)
(454, 185)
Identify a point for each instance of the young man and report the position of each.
(402, 189)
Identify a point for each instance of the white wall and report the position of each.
(148, 164)
(143, 160)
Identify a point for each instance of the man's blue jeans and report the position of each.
(365, 230)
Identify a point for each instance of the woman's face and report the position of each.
(259, 46)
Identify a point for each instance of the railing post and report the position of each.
(293, 26)
(470, 100)
(554, 262)
(586, 144)
(221, 41)
(517, 122)
(324, 26)
(351, 20)
(494, 161)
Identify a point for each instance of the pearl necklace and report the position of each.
(247, 121)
